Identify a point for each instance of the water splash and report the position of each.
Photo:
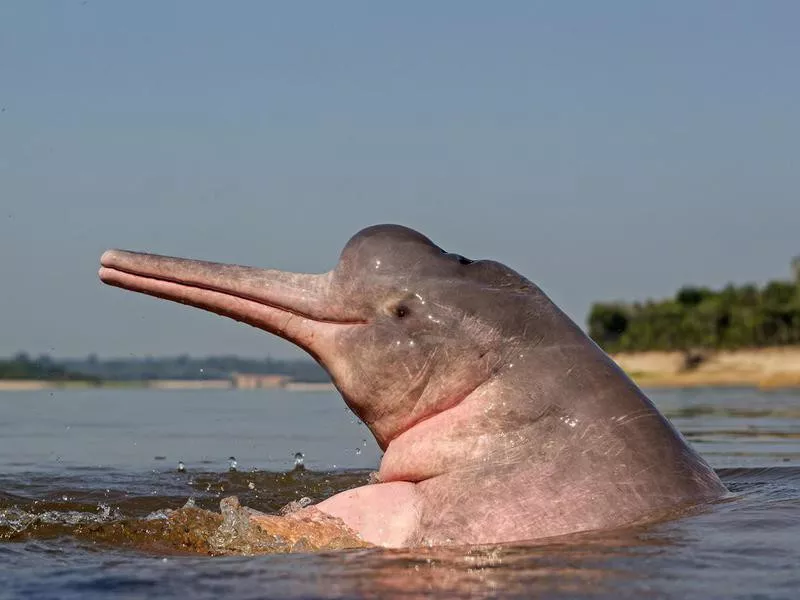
(299, 465)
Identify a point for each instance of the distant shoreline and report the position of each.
(763, 368)
(21, 385)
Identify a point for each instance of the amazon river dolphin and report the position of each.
(500, 420)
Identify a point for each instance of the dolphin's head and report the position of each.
(405, 329)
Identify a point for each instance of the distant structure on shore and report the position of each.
(248, 381)
(251, 381)
(183, 372)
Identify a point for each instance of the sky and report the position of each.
(613, 150)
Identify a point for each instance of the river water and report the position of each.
(73, 461)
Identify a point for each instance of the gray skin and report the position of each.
(500, 420)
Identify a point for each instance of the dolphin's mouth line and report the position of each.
(221, 290)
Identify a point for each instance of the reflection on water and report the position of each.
(83, 471)
(737, 427)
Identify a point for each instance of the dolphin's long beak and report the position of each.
(295, 306)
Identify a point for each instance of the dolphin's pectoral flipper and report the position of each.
(381, 514)
(310, 529)
(247, 531)
(384, 514)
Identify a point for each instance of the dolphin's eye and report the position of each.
(401, 311)
(461, 259)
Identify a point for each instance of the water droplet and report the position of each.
(364, 443)
(233, 464)
(299, 465)
(181, 466)
(358, 450)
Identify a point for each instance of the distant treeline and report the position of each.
(137, 369)
(696, 318)
(23, 367)
(699, 318)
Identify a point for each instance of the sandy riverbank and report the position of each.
(764, 368)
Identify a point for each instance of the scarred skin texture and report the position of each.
(500, 420)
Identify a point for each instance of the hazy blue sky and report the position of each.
(604, 149)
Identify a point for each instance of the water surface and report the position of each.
(72, 461)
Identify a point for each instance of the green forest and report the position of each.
(735, 317)
(23, 367)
